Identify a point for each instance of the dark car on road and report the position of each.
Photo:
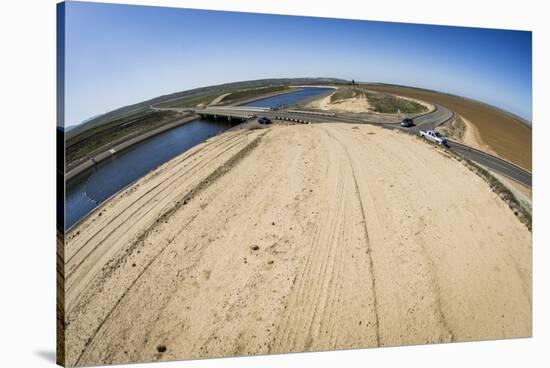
(407, 123)
(264, 121)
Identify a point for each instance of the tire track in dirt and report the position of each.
(287, 330)
(357, 192)
(163, 186)
(314, 306)
(154, 197)
(426, 277)
(110, 332)
(294, 318)
(166, 184)
(220, 171)
(85, 225)
(414, 252)
(325, 272)
(107, 317)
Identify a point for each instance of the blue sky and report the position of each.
(122, 54)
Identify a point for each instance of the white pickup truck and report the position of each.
(433, 136)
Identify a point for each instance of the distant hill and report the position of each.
(74, 130)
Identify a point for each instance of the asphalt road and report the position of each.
(429, 121)
(493, 163)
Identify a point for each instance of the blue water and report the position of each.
(124, 168)
(289, 99)
(114, 174)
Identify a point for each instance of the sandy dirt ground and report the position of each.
(356, 104)
(218, 99)
(508, 137)
(296, 238)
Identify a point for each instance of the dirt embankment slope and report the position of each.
(353, 104)
(506, 136)
(463, 131)
(312, 237)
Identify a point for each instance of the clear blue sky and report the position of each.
(122, 54)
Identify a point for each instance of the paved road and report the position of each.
(429, 121)
(493, 163)
(423, 122)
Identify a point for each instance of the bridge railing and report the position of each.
(286, 118)
(226, 114)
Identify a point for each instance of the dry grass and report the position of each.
(453, 129)
(380, 102)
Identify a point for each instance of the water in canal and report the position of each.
(112, 175)
(288, 99)
(124, 168)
